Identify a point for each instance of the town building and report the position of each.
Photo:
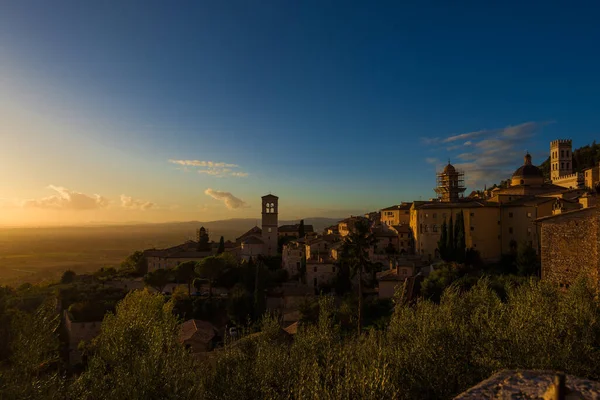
(347, 225)
(396, 215)
(188, 251)
(198, 336)
(591, 177)
(77, 332)
(292, 256)
(294, 230)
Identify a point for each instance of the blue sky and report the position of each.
(337, 107)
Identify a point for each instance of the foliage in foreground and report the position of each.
(428, 350)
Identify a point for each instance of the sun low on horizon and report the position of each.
(127, 112)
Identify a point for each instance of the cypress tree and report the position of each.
(221, 248)
(459, 237)
(301, 233)
(443, 242)
(450, 244)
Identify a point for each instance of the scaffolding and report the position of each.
(450, 184)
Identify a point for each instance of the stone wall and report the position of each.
(570, 246)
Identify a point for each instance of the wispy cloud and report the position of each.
(464, 136)
(66, 199)
(199, 163)
(432, 160)
(230, 201)
(217, 169)
(492, 154)
(136, 204)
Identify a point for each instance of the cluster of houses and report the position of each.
(557, 217)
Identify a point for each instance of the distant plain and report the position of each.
(38, 255)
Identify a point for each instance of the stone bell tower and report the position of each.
(270, 209)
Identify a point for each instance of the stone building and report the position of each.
(77, 332)
(294, 230)
(561, 165)
(173, 256)
(570, 243)
(396, 215)
(591, 176)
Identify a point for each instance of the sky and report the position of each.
(155, 111)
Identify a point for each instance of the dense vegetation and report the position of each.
(428, 350)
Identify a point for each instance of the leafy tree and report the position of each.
(527, 260)
(221, 248)
(210, 268)
(197, 284)
(301, 233)
(68, 276)
(33, 365)
(136, 263)
(356, 250)
(157, 279)
(186, 272)
(138, 355)
(434, 285)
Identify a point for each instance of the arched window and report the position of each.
(522, 182)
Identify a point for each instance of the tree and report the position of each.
(186, 272)
(301, 233)
(197, 284)
(450, 244)
(138, 355)
(443, 242)
(135, 263)
(221, 248)
(210, 268)
(355, 248)
(157, 279)
(459, 237)
(68, 276)
(527, 260)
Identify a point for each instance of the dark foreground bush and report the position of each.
(428, 350)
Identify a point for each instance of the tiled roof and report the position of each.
(254, 231)
(295, 228)
(323, 238)
(403, 206)
(204, 330)
(459, 204)
(402, 228)
(253, 240)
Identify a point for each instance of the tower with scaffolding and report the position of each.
(450, 184)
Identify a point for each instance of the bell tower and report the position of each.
(270, 209)
(561, 158)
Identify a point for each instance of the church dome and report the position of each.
(528, 174)
(528, 170)
(449, 169)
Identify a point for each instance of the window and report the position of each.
(528, 215)
(434, 228)
(426, 228)
(510, 230)
(472, 214)
(528, 231)
(269, 230)
(562, 153)
(522, 181)
(510, 215)
(315, 268)
(498, 222)
(562, 165)
(472, 228)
